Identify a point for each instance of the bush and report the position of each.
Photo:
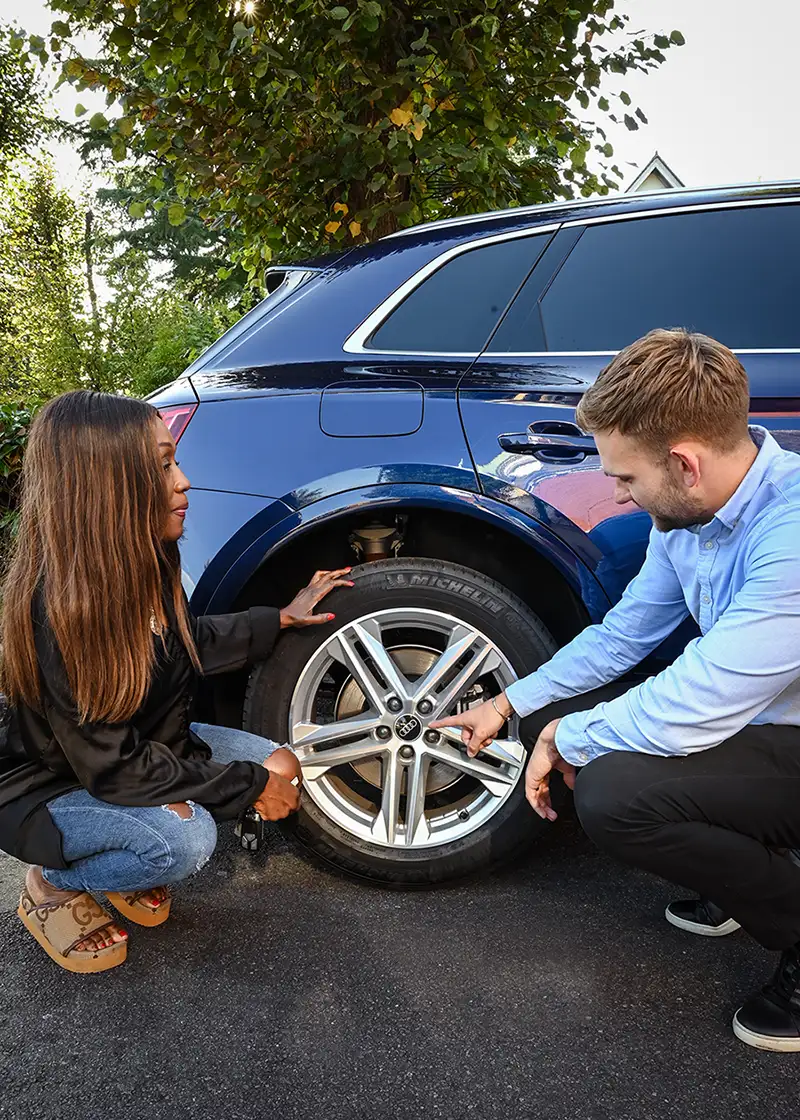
(14, 423)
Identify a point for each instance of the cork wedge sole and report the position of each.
(130, 906)
(63, 921)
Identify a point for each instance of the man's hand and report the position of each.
(300, 611)
(543, 761)
(479, 725)
(280, 797)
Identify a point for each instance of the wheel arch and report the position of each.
(479, 532)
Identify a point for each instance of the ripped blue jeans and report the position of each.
(126, 848)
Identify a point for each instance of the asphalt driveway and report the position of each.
(554, 989)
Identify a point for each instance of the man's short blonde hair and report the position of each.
(667, 386)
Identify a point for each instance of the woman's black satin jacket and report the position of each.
(152, 760)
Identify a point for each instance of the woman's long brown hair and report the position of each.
(93, 510)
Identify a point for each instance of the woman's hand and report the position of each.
(300, 611)
(284, 761)
(280, 797)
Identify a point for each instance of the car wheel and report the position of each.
(385, 797)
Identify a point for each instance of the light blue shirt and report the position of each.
(739, 577)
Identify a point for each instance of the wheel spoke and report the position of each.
(417, 828)
(317, 763)
(460, 641)
(369, 634)
(479, 663)
(343, 648)
(308, 735)
(495, 780)
(510, 751)
(483, 659)
(385, 827)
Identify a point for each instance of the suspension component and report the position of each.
(378, 542)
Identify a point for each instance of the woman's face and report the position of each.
(176, 482)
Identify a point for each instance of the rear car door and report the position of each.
(731, 272)
(406, 359)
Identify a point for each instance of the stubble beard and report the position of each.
(676, 511)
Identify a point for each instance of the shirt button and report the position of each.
(583, 756)
(706, 598)
(708, 544)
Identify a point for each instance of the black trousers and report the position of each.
(709, 821)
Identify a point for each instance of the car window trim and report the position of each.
(616, 197)
(698, 207)
(355, 343)
(243, 329)
(611, 353)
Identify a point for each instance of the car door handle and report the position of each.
(549, 446)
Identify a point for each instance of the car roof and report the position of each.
(580, 209)
(463, 229)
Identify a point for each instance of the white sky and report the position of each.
(722, 109)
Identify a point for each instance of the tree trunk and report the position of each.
(96, 325)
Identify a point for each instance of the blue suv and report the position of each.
(410, 406)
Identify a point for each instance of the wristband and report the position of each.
(494, 705)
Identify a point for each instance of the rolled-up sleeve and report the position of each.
(723, 680)
(651, 608)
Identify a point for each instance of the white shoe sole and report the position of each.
(729, 926)
(763, 1041)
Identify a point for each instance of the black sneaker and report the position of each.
(771, 1020)
(700, 915)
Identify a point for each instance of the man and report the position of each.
(693, 774)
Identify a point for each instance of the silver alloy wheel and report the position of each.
(356, 704)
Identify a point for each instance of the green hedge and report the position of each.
(14, 423)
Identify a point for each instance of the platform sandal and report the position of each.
(61, 926)
(130, 905)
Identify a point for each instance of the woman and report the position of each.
(106, 785)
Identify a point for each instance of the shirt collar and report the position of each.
(768, 450)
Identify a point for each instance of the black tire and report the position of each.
(436, 584)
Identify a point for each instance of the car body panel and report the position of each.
(294, 428)
(351, 409)
(506, 397)
(211, 541)
(273, 444)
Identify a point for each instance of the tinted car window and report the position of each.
(732, 274)
(457, 307)
(521, 330)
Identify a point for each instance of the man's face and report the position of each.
(667, 488)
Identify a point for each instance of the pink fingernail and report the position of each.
(331, 617)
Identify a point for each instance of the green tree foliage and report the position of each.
(75, 314)
(14, 421)
(303, 125)
(45, 335)
(21, 120)
(193, 258)
(155, 331)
